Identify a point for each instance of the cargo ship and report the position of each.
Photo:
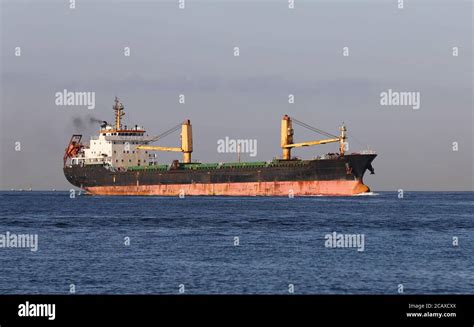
(122, 161)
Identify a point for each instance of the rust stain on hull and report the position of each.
(300, 188)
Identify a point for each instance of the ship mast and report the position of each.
(118, 107)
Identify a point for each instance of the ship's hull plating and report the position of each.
(304, 188)
(337, 176)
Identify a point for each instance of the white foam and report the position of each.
(367, 194)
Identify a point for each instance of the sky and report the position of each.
(282, 51)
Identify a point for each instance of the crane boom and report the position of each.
(159, 148)
(311, 143)
(186, 142)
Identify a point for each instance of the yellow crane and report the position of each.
(186, 141)
(287, 137)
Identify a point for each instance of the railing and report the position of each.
(142, 139)
(367, 152)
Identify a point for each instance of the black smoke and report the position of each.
(85, 122)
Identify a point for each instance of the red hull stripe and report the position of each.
(301, 188)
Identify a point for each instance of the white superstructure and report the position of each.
(116, 146)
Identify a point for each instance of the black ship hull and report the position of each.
(336, 175)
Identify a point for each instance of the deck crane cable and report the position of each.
(164, 134)
(314, 129)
